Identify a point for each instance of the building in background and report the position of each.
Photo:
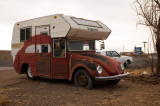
(6, 58)
(127, 53)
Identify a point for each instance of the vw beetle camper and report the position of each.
(63, 47)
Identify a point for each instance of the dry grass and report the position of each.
(5, 101)
(144, 75)
(138, 72)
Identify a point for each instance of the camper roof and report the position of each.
(68, 27)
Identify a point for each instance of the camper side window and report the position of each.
(25, 34)
(22, 35)
(44, 48)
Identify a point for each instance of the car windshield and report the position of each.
(76, 45)
(115, 54)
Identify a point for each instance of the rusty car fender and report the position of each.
(92, 73)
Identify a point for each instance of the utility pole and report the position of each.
(144, 46)
(123, 48)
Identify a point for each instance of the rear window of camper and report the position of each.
(25, 34)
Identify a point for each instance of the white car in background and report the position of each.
(126, 60)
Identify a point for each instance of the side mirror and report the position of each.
(102, 46)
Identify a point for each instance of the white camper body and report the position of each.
(60, 26)
(63, 26)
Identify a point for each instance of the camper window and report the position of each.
(28, 33)
(43, 30)
(44, 48)
(22, 35)
(25, 34)
(77, 45)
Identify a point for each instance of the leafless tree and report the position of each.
(148, 12)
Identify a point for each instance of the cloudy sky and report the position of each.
(118, 15)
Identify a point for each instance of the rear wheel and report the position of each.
(83, 79)
(29, 74)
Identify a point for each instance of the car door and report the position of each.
(43, 60)
(43, 50)
(59, 61)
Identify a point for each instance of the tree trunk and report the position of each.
(158, 61)
(158, 47)
(158, 53)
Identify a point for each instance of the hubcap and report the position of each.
(82, 80)
(29, 72)
(127, 63)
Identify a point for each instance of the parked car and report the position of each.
(126, 60)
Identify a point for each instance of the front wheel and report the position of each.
(83, 79)
(29, 74)
(126, 64)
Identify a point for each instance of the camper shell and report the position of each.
(63, 47)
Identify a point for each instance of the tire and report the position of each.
(126, 64)
(83, 79)
(29, 74)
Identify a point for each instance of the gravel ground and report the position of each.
(18, 90)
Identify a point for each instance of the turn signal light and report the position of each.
(90, 60)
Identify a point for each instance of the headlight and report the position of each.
(99, 69)
(122, 66)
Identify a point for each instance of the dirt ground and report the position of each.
(137, 90)
(18, 90)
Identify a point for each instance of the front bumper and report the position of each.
(112, 77)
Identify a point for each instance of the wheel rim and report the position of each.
(127, 63)
(29, 72)
(82, 80)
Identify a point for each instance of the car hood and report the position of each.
(110, 65)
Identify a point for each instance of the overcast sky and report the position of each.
(118, 15)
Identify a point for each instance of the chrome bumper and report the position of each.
(112, 77)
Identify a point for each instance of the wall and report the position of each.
(5, 58)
